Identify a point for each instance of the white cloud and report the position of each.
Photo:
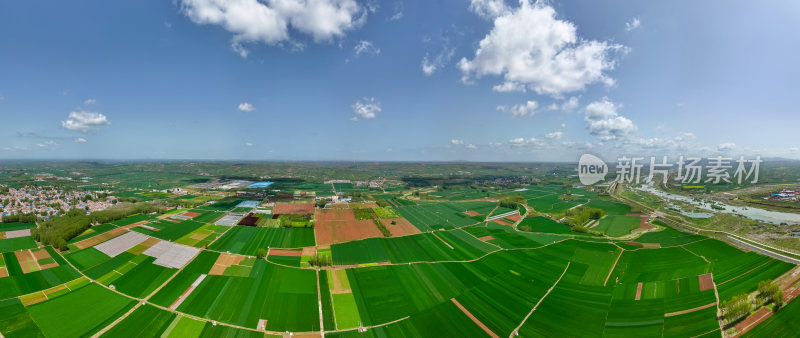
(556, 135)
(471, 146)
(457, 142)
(727, 146)
(605, 122)
(49, 145)
(365, 47)
(83, 121)
(570, 105)
(269, 21)
(366, 108)
(534, 50)
(489, 9)
(246, 107)
(80, 140)
(89, 101)
(634, 24)
(398, 11)
(521, 142)
(430, 64)
(518, 110)
(248, 144)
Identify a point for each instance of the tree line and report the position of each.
(57, 231)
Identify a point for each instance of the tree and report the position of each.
(261, 253)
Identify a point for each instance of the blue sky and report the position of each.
(397, 80)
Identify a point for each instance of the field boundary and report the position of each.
(516, 330)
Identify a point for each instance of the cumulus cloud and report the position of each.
(519, 110)
(270, 21)
(457, 142)
(605, 122)
(80, 140)
(366, 108)
(570, 104)
(634, 24)
(489, 9)
(556, 135)
(248, 144)
(533, 50)
(89, 102)
(246, 107)
(471, 146)
(727, 146)
(522, 142)
(84, 121)
(365, 47)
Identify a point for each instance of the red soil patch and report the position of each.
(340, 225)
(705, 282)
(472, 213)
(638, 291)
(486, 238)
(290, 208)
(592, 223)
(501, 222)
(401, 227)
(477, 322)
(750, 322)
(514, 217)
(288, 253)
(191, 214)
(634, 243)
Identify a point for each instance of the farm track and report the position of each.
(516, 330)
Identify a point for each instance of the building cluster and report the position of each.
(48, 201)
(784, 195)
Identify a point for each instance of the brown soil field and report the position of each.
(43, 254)
(3, 272)
(309, 251)
(26, 261)
(288, 253)
(223, 262)
(486, 238)
(288, 208)
(401, 228)
(340, 225)
(89, 242)
(501, 222)
(705, 282)
(638, 291)
(191, 214)
(472, 213)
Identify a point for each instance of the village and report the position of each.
(48, 201)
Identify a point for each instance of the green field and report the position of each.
(427, 247)
(437, 215)
(247, 240)
(89, 309)
(544, 225)
(617, 226)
